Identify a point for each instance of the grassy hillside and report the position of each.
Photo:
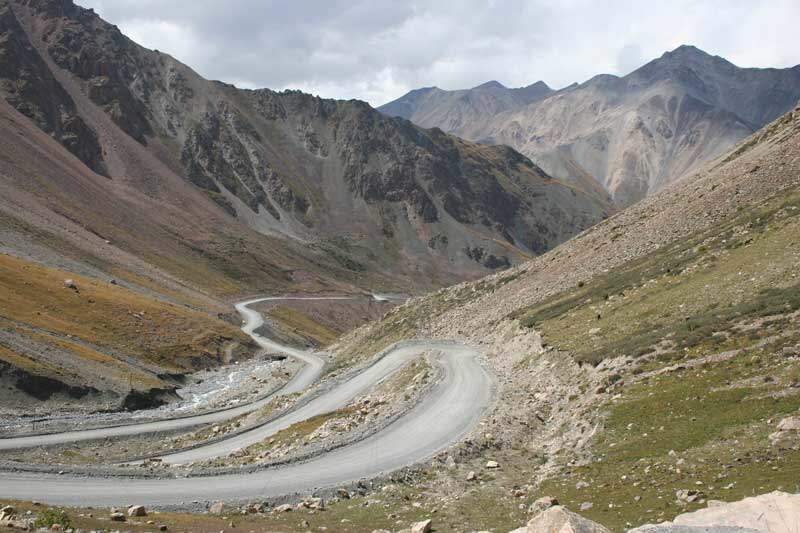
(709, 329)
(101, 334)
(656, 352)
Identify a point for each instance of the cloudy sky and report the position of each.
(377, 50)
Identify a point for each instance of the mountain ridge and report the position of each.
(635, 133)
(276, 160)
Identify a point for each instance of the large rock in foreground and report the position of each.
(559, 519)
(675, 528)
(775, 512)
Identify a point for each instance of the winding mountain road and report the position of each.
(253, 320)
(451, 409)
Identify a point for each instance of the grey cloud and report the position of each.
(378, 49)
(629, 58)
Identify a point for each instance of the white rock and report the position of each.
(791, 423)
(542, 504)
(422, 527)
(776, 512)
(558, 519)
(137, 510)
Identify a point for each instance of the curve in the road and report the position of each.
(304, 377)
(326, 402)
(452, 408)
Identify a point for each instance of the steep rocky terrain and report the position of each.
(120, 163)
(644, 367)
(370, 191)
(632, 134)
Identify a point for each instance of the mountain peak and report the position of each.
(538, 85)
(493, 84)
(688, 50)
(600, 80)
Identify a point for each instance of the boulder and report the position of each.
(558, 519)
(776, 512)
(673, 528)
(471, 476)
(70, 284)
(318, 504)
(343, 493)
(253, 508)
(137, 510)
(217, 508)
(785, 440)
(790, 423)
(542, 504)
(422, 527)
(11, 523)
(492, 464)
(117, 517)
(285, 508)
(688, 495)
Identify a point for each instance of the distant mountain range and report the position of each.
(632, 135)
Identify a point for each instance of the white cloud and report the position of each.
(166, 36)
(377, 50)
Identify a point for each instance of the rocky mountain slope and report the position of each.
(633, 134)
(120, 163)
(464, 110)
(644, 367)
(372, 191)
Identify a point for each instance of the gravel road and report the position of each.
(253, 320)
(451, 409)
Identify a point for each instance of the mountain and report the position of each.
(637, 133)
(657, 353)
(119, 163)
(459, 110)
(286, 164)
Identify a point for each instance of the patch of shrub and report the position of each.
(48, 517)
